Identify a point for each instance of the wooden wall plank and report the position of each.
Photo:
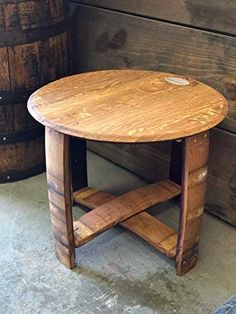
(105, 39)
(215, 15)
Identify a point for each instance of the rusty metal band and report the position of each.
(14, 175)
(21, 136)
(14, 97)
(19, 37)
(13, 1)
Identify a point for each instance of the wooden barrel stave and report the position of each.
(31, 56)
(17, 161)
(15, 118)
(37, 63)
(28, 14)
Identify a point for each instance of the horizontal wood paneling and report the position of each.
(215, 15)
(105, 39)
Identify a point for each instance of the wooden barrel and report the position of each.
(34, 50)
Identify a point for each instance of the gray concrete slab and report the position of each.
(117, 272)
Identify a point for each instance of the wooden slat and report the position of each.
(152, 230)
(59, 194)
(121, 208)
(100, 219)
(92, 198)
(1, 18)
(195, 159)
(215, 15)
(4, 74)
(146, 226)
(146, 196)
(119, 41)
(27, 73)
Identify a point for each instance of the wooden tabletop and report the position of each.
(128, 106)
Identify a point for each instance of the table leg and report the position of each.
(194, 174)
(78, 163)
(59, 193)
(176, 161)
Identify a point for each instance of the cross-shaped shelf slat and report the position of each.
(127, 210)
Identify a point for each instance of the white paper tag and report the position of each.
(177, 81)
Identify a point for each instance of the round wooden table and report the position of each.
(127, 106)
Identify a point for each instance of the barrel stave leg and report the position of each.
(194, 174)
(59, 193)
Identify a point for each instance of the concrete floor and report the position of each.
(117, 272)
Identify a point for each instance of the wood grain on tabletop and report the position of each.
(113, 40)
(128, 106)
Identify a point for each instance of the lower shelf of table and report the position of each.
(155, 232)
(128, 210)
